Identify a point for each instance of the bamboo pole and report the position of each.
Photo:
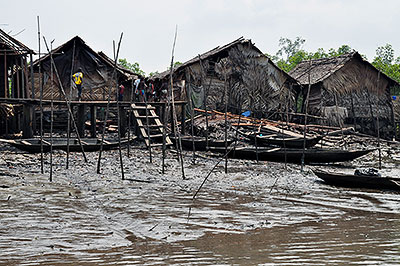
(378, 129)
(106, 116)
(226, 118)
(305, 116)
(51, 113)
(148, 126)
(190, 99)
(164, 146)
(205, 97)
(41, 102)
(32, 76)
(118, 108)
(70, 98)
(129, 120)
(174, 116)
(22, 77)
(66, 100)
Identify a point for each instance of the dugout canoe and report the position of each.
(358, 181)
(294, 155)
(89, 144)
(200, 143)
(281, 141)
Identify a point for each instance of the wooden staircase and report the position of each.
(144, 113)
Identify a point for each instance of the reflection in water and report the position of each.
(88, 219)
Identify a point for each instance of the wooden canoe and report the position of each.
(89, 144)
(359, 181)
(281, 141)
(293, 155)
(200, 143)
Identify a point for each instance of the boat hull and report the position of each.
(89, 145)
(351, 180)
(294, 155)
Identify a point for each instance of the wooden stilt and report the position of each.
(305, 116)
(190, 100)
(107, 112)
(93, 115)
(51, 114)
(174, 116)
(70, 98)
(41, 101)
(118, 107)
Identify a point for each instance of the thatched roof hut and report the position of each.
(97, 69)
(346, 87)
(13, 58)
(252, 80)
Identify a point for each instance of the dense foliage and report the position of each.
(135, 68)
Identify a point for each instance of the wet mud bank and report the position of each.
(258, 213)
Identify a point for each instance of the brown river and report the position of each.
(257, 214)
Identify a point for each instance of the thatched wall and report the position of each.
(252, 82)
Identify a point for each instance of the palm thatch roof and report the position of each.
(99, 57)
(217, 52)
(97, 68)
(319, 70)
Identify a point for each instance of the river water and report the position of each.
(257, 214)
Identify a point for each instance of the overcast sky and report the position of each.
(149, 25)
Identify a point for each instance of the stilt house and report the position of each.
(250, 80)
(346, 89)
(97, 68)
(14, 73)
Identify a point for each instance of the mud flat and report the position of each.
(258, 213)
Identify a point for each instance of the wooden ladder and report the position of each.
(156, 128)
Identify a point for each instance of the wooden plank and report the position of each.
(26, 142)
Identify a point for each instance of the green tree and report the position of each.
(386, 62)
(291, 53)
(135, 68)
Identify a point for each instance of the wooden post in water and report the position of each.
(51, 112)
(118, 107)
(107, 111)
(305, 117)
(41, 102)
(226, 117)
(190, 99)
(70, 98)
(174, 116)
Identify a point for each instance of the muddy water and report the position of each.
(257, 214)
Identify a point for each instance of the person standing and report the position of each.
(121, 93)
(78, 78)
